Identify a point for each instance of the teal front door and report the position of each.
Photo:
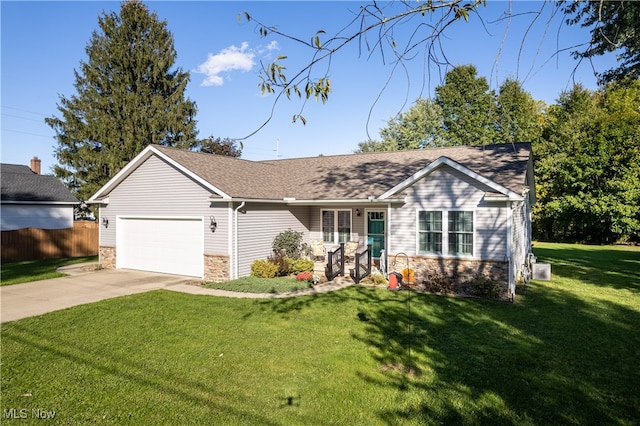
(376, 225)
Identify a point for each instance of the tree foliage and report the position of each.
(588, 167)
(615, 27)
(218, 146)
(519, 117)
(464, 112)
(128, 96)
(468, 107)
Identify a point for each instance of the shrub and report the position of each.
(289, 244)
(437, 283)
(282, 263)
(263, 269)
(485, 287)
(299, 265)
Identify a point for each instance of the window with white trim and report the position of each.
(445, 232)
(430, 232)
(336, 226)
(460, 229)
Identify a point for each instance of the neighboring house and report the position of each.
(459, 211)
(31, 200)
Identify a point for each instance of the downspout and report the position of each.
(509, 254)
(235, 240)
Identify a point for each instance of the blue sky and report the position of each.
(43, 42)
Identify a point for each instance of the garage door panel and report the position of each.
(173, 246)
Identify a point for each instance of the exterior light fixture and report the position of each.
(105, 222)
(357, 212)
(213, 225)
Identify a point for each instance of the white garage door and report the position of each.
(171, 246)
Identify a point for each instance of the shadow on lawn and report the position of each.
(580, 263)
(120, 366)
(550, 358)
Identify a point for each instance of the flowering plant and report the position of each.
(305, 276)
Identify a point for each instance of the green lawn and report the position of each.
(566, 352)
(260, 285)
(34, 270)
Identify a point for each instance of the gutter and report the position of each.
(287, 200)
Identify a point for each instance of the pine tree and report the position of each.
(128, 96)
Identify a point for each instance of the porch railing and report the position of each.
(335, 263)
(363, 265)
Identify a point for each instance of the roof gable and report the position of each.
(445, 161)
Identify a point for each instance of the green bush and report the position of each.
(289, 244)
(300, 265)
(485, 287)
(263, 269)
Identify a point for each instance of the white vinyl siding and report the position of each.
(156, 188)
(447, 189)
(259, 224)
(42, 216)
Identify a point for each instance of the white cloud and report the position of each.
(229, 59)
(265, 51)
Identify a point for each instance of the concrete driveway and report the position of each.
(81, 286)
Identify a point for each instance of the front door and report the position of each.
(376, 225)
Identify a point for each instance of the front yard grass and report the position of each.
(566, 352)
(261, 285)
(35, 270)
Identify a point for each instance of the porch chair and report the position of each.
(318, 252)
(350, 250)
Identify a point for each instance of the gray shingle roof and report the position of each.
(20, 184)
(352, 176)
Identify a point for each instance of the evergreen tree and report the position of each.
(128, 96)
(468, 107)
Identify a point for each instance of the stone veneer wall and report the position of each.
(107, 257)
(216, 267)
(459, 270)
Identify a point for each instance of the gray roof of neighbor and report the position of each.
(350, 176)
(20, 184)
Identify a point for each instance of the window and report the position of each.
(336, 226)
(460, 229)
(430, 232)
(445, 232)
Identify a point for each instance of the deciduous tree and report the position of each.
(468, 107)
(588, 167)
(219, 146)
(615, 27)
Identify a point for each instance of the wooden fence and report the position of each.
(37, 244)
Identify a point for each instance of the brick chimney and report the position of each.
(35, 165)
